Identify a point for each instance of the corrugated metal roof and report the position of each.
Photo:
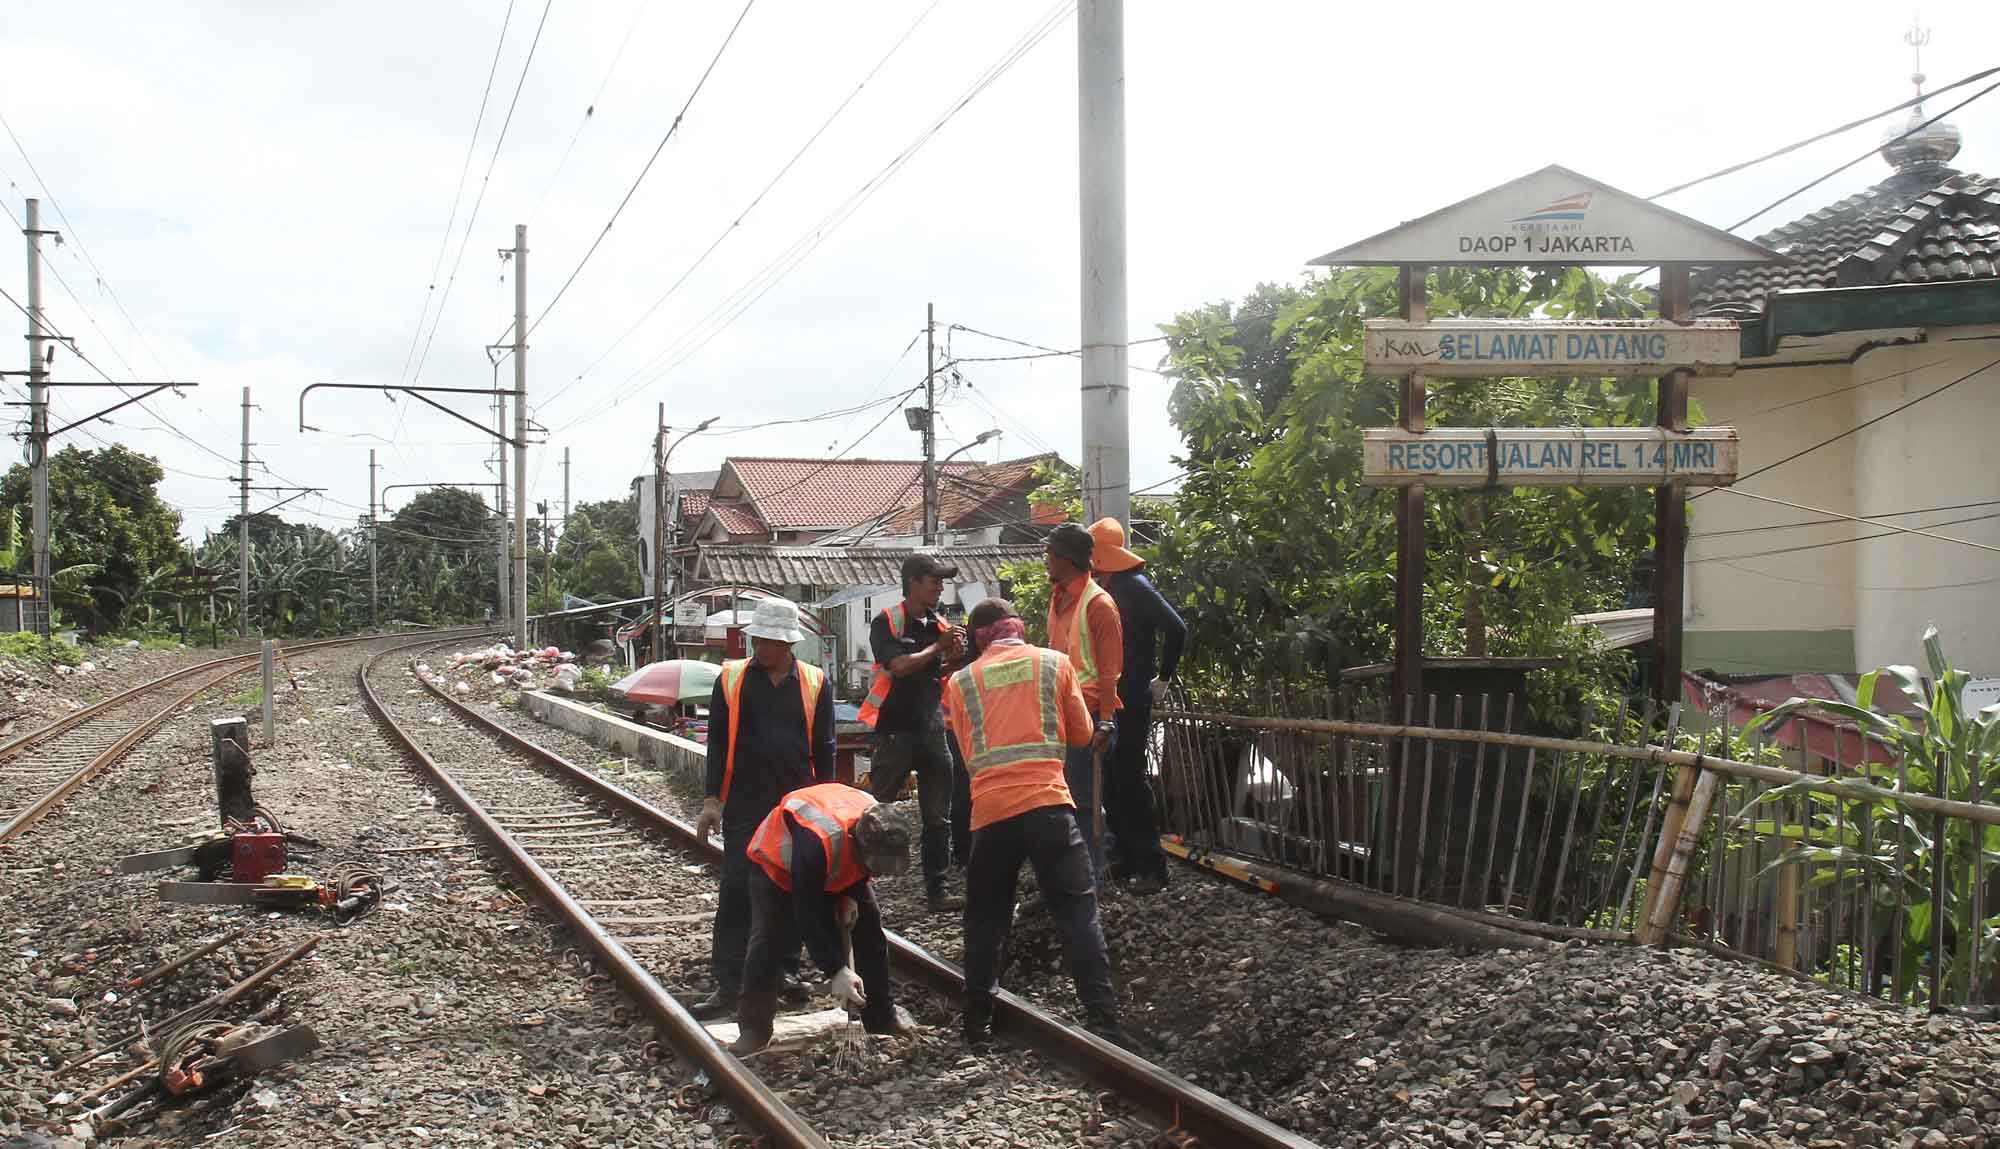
(1923, 226)
(765, 564)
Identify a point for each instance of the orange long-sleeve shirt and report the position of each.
(1106, 636)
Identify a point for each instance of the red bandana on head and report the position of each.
(1000, 631)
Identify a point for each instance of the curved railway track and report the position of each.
(40, 769)
(614, 869)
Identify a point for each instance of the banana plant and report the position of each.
(1878, 843)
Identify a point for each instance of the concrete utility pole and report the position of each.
(501, 578)
(374, 569)
(243, 531)
(659, 644)
(38, 420)
(521, 435)
(930, 425)
(1100, 58)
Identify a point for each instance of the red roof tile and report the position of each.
(794, 494)
(996, 493)
(736, 519)
(694, 504)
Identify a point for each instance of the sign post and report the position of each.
(1552, 216)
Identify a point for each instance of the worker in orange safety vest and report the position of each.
(813, 856)
(1084, 624)
(1016, 711)
(770, 731)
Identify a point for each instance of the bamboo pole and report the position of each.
(1666, 893)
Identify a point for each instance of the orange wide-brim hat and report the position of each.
(1108, 553)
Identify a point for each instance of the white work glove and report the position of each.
(1159, 691)
(847, 989)
(710, 820)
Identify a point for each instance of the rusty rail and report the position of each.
(1160, 1095)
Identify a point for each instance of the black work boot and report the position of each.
(940, 902)
(756, 1013)
(977, 1025)
(1104, 1023)
(715, 1007)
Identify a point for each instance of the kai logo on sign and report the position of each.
(1569, 209)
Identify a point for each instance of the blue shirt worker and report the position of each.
(1149, 623)
(811, 861)
(912, 647)
(770, 732)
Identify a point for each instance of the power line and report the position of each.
(1857, 428)
(484, 182)
(774, 272)
(641, 177)
(1829, 522)
(1858, 519)
(743, 214)
(464, 169)
(589, 110)
(1801, 547)
(1876, 150)
(1732, 169)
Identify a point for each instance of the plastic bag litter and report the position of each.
(461, 688)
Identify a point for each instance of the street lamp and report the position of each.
(931, 473)
(660, 532)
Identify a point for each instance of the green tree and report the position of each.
(597, 556)
(1284, 564)
(439, 557)
(106, 520)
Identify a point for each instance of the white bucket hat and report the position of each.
(776, 618)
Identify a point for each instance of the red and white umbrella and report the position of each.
(665, 683)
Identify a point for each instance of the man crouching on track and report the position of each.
(770, 731)
(1015, 710)
(813, 857)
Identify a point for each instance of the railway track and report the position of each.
(615, 870)
(40, 769)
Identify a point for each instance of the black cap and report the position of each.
(921, 565)
(1073, 543)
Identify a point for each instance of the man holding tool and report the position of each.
(912, 646)
(811, 860)
(1084, 624)
(1015, 709)
(770, 731)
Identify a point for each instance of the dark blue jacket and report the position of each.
(1146, 617)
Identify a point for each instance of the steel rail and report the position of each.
(1166, 1098)
(226, 668)
(748, 1093)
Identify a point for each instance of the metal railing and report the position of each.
(1820, 867)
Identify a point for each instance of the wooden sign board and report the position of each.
(1553, 216)
(1496, 347)
(1548, 457)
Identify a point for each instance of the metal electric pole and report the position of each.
(374, 569)
(243, 531)
(565, 518)
(521, 435)
(659, 645)
(38, 420)
(930, 424)
(1100, 56)
(500, 575)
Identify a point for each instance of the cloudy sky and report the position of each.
(257, 194)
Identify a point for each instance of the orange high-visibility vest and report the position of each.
(811, 680)
(830, 811)
(1081, 654)
(1013, 737)
(882, 681)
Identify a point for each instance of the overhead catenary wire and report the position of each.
(589, 110)
(746, 296)
(464, 170)
(737, 221)
(643, 170)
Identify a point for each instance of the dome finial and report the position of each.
(1918, 146)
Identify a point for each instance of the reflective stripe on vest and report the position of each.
(881, 681)
(811, 680)
(974, 684)
(1080, 651)
(829, 810)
